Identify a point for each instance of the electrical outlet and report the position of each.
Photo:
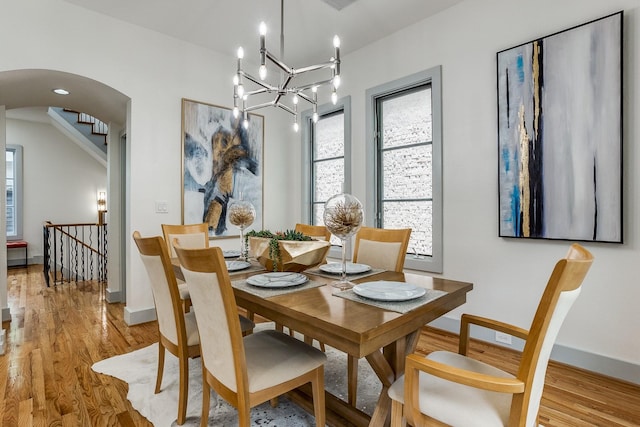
(503, 338)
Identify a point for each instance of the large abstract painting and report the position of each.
(222, 162)
(560, 135)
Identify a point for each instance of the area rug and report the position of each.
(138, 369)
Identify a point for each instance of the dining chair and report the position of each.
(382, 248)
(244, 371)
(191, 236)
(449, 388)
(378, 248)
(178, 330)
(318, 232)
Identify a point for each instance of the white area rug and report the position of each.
(138, 369)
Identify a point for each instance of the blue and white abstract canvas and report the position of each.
(560, 135)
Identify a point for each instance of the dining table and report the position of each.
(382, 333)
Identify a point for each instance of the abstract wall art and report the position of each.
(221, 162)
(560, 135)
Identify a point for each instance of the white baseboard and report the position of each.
(570, 356)
(135, 317)
(3, 341)
(113, 296)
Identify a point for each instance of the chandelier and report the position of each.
(286, 95)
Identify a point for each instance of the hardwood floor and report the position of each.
(57, 333)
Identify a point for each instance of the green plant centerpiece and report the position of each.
(285, 251)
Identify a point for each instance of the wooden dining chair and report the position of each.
(244, 371)
(191, 236)
(382, 248)
(378, 248)
(448, 388)
(318, 232)
(178, 330)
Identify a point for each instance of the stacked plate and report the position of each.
(383, 290)
(277, 279)
(237, 265)
(351, 268)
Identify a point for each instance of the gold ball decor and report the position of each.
(343, 215)
(242, 214)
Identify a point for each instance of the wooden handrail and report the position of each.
(75, 238)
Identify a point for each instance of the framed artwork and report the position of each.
(560, 135)
(221, 162)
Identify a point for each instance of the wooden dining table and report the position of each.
(361, 330)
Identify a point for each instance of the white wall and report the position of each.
(155, 72)
(60, 180)
(509, 275)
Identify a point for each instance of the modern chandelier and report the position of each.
(286, 95)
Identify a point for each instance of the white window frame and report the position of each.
(343, 105)
(17, 191)
(432, 76)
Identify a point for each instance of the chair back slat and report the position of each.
(562, 290)
(189, 235)
(166, 296)
(216, 313)
(382, 248)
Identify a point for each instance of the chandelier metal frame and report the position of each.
(308, 92)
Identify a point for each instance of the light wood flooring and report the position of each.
(57, 333)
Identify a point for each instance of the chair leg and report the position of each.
(317, 387)
(160, 367)
(184, 389)
(352, 379)
(206, 398)
(397, 420)
(244, 415)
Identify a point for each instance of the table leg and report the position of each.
(388, 365)
(352, 379)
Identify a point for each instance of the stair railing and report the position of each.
(74, 252)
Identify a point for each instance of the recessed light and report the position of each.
(61, 91)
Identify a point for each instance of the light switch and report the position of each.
(162, 207)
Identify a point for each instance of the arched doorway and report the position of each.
(34, 88)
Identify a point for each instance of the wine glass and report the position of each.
(343, 218)
(241, 214)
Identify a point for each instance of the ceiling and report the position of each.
(223, 26)
(309, 25)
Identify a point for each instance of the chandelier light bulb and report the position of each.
(236, 80)
(336, 41)
(245, 124)
(315, 117)
(334, 97)
(263, 29)
(314, 89)
(262, 71)
(296, 127)
(240, 52)
(236, 112)
(295, 99)
(336, 81)
(240, 91)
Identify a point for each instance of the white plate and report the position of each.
(237, 265)
(277, 279)
(231, 254)
(383, 290)
(352, 268)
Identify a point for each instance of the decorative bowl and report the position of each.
(296, 256)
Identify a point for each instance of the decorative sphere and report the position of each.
(241, 213)
(343, 215)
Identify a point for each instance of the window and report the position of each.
(405, 128)
(14, 191)
(327, 159)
